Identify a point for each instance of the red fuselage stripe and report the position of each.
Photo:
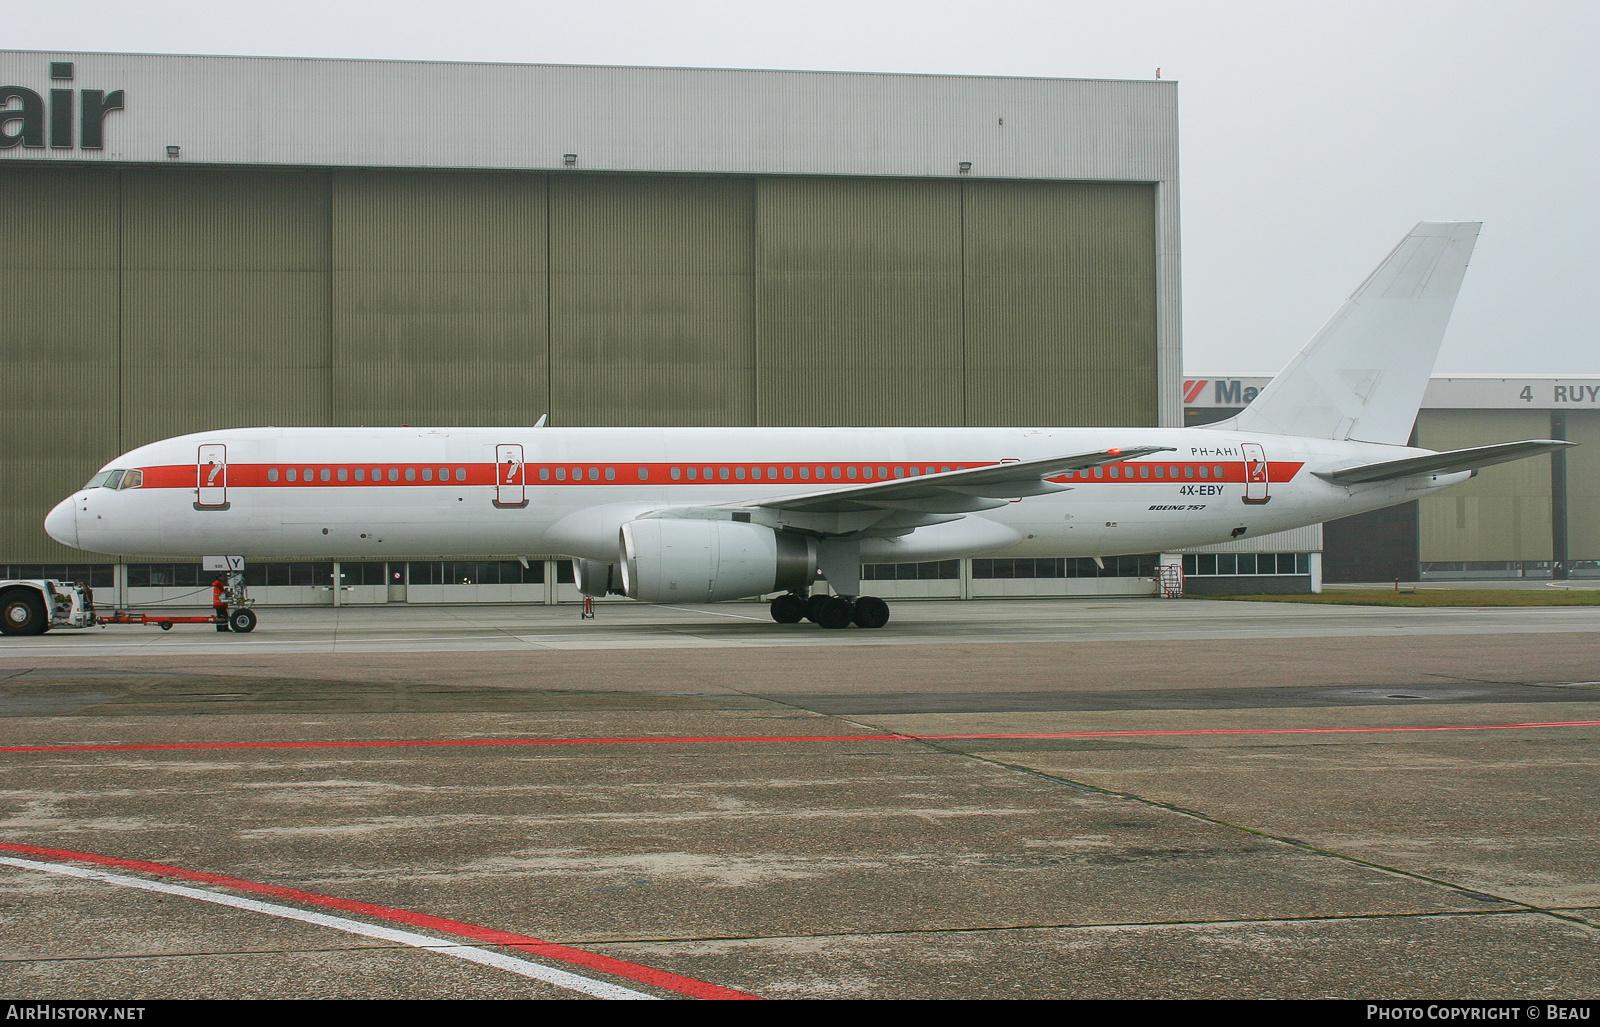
(546, 475)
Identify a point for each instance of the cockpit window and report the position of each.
(133, 479)
(115, 480)
(100, 479)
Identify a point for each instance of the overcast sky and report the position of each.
(1314, 134)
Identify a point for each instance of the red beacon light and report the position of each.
(1113, 452)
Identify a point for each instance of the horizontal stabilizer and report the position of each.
(1441, 463)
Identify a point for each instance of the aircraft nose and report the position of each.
(61, 523)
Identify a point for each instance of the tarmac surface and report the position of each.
(1008, 799)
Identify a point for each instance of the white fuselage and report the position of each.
(485, 493)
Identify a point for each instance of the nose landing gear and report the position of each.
(831, 611)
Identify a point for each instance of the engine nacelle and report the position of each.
(684, 560)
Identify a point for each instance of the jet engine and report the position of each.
(694, 560)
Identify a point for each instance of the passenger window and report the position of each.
(1099, 472)
(544, 474)
(1161, 472)
(611, 474)
(883, 472)
(1173, 470)
(1188, 472)
(772, 474)
(738, 472)
(594, 474)
(899, 472)
(788, 473)
(1205, 471)
(561, 474)
(1144, 471)
(377, 474)
(805, 474)
(644, 474)
(411, 474)
(706, 473)
(722, 472)
(394, 474)
(344, 474)
(944, 469)
(325, 474)
(133, 479)
(1216, 472)
(1113, 472)
(461, 474)
(291, 474)
(272, 474)
(677, 473)
(427, 474)
(849, 472)
(361, 474)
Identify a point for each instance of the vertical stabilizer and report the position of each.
(1362, 376)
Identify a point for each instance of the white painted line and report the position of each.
(537, 971)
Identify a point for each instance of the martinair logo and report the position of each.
(72, 114)
(1232, 393)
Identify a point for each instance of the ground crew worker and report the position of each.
(219, 605)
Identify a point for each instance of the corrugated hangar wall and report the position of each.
(1504, 512)
(148, 303)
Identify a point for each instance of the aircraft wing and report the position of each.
(898, 506)
(1441, 463)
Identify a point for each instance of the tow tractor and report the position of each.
(32, 606)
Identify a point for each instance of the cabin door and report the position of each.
(1255, 473)
(511, 476)
(211, 477)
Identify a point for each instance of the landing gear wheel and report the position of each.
(244, 621)
(871, 612)
(22, 613)
(814, 608)
(788, 608)
(165, 625)
(836, 612)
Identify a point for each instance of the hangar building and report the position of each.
(203, 242)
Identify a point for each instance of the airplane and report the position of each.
(694, 515)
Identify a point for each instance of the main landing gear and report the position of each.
(831, 611)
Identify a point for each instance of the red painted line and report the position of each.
(577, 957)
(712, 739)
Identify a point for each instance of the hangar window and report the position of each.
(291, 474)
(738, 472)
(611, 474)
(325, 474)
(677, 472)
(461, 474)
(411, 474)
(272, 475)
(344, 474)
(561, 474)
(1188, 471)
(644, 474)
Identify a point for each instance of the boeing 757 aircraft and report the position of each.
(709, 514)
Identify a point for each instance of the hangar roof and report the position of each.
(360, 113)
